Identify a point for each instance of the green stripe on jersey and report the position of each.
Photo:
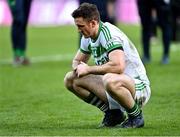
(85, 52)
(108, 37)
(113, 47)
(106, 33)
(140, 86)
(98, 51)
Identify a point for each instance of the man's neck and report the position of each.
(97, 31)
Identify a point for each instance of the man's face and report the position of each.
(84, 27)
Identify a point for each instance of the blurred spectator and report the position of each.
(20, 11)
(106, 9)
(176, 19)
(154, 25)
(163, 11)
(111, 8)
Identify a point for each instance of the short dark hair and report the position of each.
(87, 11)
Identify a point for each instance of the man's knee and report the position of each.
(69, 79)
(110, 82)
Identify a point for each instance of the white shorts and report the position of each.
(142, 95)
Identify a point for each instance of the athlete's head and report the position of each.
(87, 18)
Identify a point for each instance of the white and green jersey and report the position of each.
(111, 38)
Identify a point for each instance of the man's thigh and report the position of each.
(122, 80)
(93, 83)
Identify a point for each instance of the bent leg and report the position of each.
(90, 88)
(120, 87)
(69, 83)
(85, 85)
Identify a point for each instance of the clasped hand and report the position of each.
(82, 69)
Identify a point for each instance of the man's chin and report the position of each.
(86, 36)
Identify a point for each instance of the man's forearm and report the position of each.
(75, 63)
(106, 68)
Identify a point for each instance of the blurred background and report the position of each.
(33, 99)
(57, 12)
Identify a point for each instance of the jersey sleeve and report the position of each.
(85, 46)
(110, 39)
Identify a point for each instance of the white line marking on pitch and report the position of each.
(60, 57)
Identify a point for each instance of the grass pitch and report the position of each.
(34, 101)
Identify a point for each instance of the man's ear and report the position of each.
(94, 23)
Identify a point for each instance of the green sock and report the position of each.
(11, 3)
(19, 53)
(96, 101)
(134, 111)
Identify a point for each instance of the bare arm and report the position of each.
(79, 57)
(116, 64)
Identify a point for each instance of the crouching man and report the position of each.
(118, 83)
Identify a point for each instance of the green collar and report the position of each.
(99, 30)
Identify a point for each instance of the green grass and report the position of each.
(34, 101)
